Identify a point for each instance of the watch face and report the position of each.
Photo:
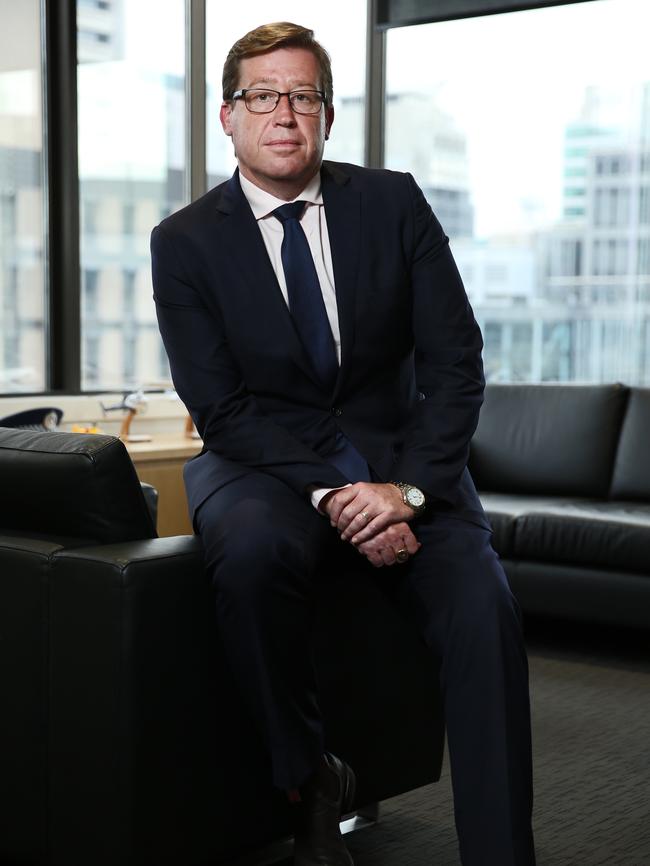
(415, 497)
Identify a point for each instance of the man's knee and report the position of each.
(251, 548)
(242, 533)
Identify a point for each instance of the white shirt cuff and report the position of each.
(317, 494)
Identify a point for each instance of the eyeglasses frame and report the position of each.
(241, 95)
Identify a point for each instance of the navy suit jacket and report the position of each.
(410, 383)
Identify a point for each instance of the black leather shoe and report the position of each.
(328, 795)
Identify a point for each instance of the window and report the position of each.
(522, 337)
(129, 294)
(132, 170)
(565, 258)
(22, 230)
(550, 167)
(543, 175)
(644, 206)
(89, 293)
(131, 173)
(496, 273)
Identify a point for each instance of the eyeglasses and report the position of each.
(265, 101)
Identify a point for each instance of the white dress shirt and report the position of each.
(314, 225)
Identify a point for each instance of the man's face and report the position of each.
(282, 150)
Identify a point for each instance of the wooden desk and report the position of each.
(160, 462)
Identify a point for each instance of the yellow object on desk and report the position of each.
(85, 428)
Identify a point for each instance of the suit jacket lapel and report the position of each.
(240, 234)
(343, 212)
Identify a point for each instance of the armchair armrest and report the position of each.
(131, 649)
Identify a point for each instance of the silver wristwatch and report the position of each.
(412, 496)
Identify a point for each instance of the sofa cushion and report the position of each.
(632, 467)
(604, 534)
(548, 439)
(581, 592)
(503, 509)
(70, 484)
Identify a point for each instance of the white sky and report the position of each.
(512, 82)
(340, 25)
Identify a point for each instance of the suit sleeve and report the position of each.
(448, 364)
(208, 381)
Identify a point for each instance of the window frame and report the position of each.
(62, 256)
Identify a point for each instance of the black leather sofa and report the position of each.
(564, 474)
(123, 741)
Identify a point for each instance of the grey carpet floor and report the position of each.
(590, 692)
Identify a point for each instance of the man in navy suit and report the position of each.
(320, 336)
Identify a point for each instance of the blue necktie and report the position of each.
(305, 295)
(310, 318)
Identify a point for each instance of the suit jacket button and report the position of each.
(336, 410)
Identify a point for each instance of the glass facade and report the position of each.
(131, 115)
(22, 235)
(538, 167)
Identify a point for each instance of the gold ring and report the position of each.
(363, 514)
(402, 554)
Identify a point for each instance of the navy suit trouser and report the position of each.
(263, 545)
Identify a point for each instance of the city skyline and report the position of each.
(560, 286)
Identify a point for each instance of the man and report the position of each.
(320, 336)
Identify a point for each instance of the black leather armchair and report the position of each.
(123, 741)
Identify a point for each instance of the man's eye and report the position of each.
(260, 98)
(302, 97)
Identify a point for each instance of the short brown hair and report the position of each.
(270, 37)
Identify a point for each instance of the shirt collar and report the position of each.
(263, 203)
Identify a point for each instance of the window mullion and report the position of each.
(64, 295)
(375, 88)
(195, 89)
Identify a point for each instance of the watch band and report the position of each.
(411, 496)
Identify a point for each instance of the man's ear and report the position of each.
(329, 120)
(224, 116)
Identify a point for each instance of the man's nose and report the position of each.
(283, 112)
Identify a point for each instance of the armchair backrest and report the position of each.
(70, 484)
